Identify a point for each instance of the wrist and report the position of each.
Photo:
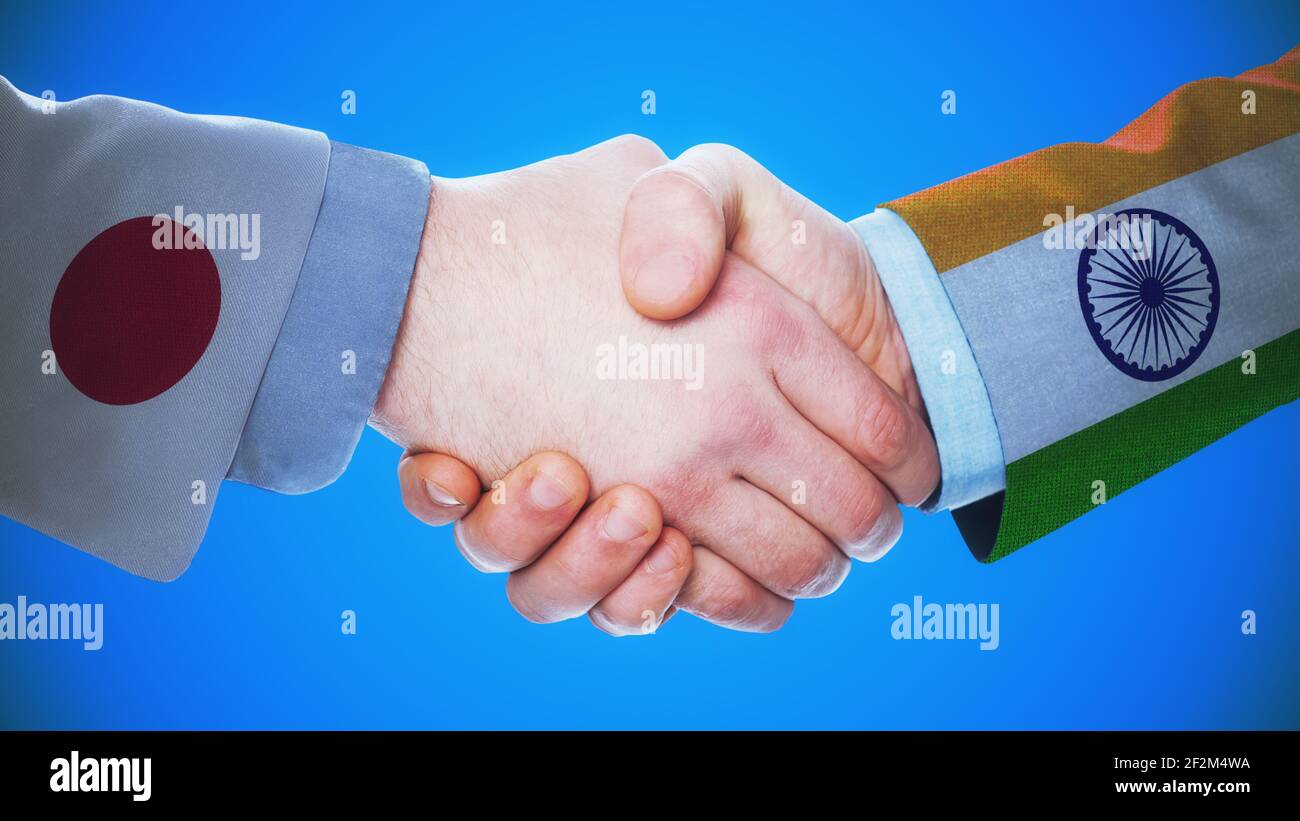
(404, 398)
(884, 347)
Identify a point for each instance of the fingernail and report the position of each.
(662, 559)
(620, 526)
(663, 279)
(548, 493)
(440, 496)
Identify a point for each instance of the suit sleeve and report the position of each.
(1121, 305)
(182, 297)
(333, 350)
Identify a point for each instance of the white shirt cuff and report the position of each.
(961, 416)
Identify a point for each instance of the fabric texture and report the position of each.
(333, 350)
(1196, 126)
(89, 459)
(961, 418)
(1127, 448)
(1215, 162)
(1020, 305)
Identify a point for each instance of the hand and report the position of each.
(684, 217)
(525, 527)
(497, 353)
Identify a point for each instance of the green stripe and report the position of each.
(1054, 485)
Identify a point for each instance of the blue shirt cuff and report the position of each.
(329, 360)
(961, 416)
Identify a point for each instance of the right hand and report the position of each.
(684, 218)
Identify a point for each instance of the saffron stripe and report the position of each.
(1198, 125)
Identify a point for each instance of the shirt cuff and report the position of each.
(961, 416)
(333, 350)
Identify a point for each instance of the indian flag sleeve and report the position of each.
(1116, 306)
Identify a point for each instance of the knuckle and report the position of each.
(638, 150)
(496, 550)
(718, 152)
(505, 560)
(524, 605)
(811, 574)
(739, 420)
(686, 487)
(863, 512)
(882, 429)
(777, 330)
(615, 620)
(928, 475)
(580, 572)
(890, 530)
(470, 547)
(602, 622)
(638, 502)
(771, 626)
(763, 321)
(876, 550)
(725, 602)
(683, 555)
(728, 605)
(767, 326)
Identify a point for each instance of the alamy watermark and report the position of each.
(35, 621)
(675, 361)
(126, 775)
(213, 231)
(1071, 232)
(946, 621)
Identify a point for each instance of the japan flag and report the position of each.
(147, 259)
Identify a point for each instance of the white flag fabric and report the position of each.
(147, 259)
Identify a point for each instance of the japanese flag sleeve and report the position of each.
(150, 299)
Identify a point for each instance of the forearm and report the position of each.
(118, 436)
(1030, 302)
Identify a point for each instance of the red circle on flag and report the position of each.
(129, 319)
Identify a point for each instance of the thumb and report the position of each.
(673, 242)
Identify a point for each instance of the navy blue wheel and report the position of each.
(1149, 293)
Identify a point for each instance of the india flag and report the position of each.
(1127, 302)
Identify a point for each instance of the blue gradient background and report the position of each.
(1127, 618)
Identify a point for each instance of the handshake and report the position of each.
(758, 427)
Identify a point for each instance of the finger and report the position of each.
(640, 604)
(673, 239)
(825, 486)
(436, 489)
(835, 391)
(718, 592)
(770, 544)
(520, 517)
(618, 161)
(593, 557)
(681, 216)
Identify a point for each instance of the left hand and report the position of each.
(558, 569)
